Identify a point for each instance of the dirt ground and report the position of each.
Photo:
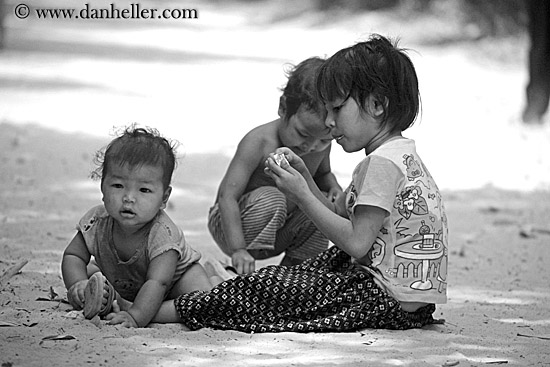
(69, 76)
(498, 284)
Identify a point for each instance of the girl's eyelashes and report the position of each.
(337, 109)
(145, 190)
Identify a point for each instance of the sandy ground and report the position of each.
(498, 285)
(63, 85)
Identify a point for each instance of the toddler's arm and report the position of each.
(73, 268)
(150, 296)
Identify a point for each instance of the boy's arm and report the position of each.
(151, 295)
(247, 157)
(326, 180)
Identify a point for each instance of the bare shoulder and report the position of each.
(261, 140)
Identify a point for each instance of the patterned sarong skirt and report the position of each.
(325, 293)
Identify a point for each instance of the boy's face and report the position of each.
(134, 195)
(305, 132)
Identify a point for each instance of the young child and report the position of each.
(388, 265)
(141, 255)
(251, 219)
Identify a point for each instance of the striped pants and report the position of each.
(269, 230)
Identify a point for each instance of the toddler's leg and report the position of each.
(194, 279)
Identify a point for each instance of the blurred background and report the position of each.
(207, 79)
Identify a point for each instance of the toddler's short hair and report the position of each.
(136, 147)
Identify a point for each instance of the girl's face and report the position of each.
(134, 195)
(304, 132)
(353, 128)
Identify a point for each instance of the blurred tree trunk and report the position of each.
(2, 15)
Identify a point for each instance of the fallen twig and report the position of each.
(543, 337)
(56, 337)
(11, 271)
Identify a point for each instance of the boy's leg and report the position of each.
(263, 213)
(300, 239)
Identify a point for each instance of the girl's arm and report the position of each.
(355, 236)
(151, 295)
(73, 269)
(298, 166)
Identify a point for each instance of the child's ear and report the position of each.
(376, 106)
(166, 196)
(282, 107)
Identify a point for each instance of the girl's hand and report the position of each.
(75, 294)
(295, 161)
(287, 178)
(123, 318)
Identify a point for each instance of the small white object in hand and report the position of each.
(280, 158)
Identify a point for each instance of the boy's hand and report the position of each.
(243, 262)
(75, 294)
(335, 194)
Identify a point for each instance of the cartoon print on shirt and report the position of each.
(377, 251)
(413, 168)
(418, 260)
(400, 230)
(422, 259)
(352, 192)
(410, 201)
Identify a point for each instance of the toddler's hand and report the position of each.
(120, 317)
(75, 294)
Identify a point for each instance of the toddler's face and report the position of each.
(305, 132)
(134, 195)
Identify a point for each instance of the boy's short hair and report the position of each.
(300, 87)
(136, 147)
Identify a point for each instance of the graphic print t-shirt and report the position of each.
(409, 255)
